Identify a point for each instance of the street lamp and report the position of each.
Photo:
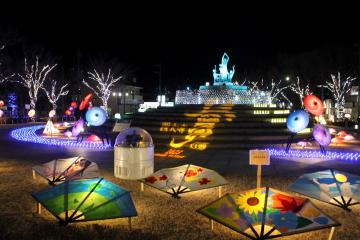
(287, 78)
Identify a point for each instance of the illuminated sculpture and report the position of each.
(266, 213)
(52, 113)
(297, 121)
(31, 113)
(60, 170)
(223, 77)
(50, 128)
(2, 103)
(223, 91)
(29, 134)
(86, 200)
(133, 154)
(330, 186)
(322, 135)
(183, 179)
(68, 112)
(85, 102)
(96, 116)
(314, 105)
(78, 127)
(1, 113)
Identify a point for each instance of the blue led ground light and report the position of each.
(28, 134)
(303, 154)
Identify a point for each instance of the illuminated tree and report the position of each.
(54, 94)
(275, 89)
(102, 85)
(2, 77)
(339, 87)
(34, 78)
(300, 90)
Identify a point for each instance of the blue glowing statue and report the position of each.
(224, 76)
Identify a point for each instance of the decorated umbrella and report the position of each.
(183, 179)
(266, 213)
(86, 200)
(85, 102)
(331, 186)
(60, 170)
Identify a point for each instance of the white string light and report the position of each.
(53, 95)
(34, 79)
(339, 88)
(103, 85)
(2, 77)
(300, 90)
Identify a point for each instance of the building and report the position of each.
(125, 99)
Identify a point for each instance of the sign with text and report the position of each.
(259, 157)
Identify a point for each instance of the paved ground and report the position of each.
(17, 158)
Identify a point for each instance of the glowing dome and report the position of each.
(96, 116)
(321, 135)
(297, 121)
(31, 113)
(314, 105)
(134, 137)
(52, 113)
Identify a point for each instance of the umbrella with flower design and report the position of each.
(265, 213)
(332, 186)
(183, 179)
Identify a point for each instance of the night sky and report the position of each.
(189, 40)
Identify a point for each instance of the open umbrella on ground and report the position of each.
(183, 179)
(86, 200)
(60, 170)
(332, 186)
(266, 213)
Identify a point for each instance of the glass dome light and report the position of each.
(134, 137)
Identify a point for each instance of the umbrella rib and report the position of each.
(66, 199)
(264, 215)
(341, 204)
(87, 196)
(62, 174)
(254, 231)
(269, 232)
(338, 187)
(182, 180)
(54, 170)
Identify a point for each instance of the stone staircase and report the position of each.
(216, 126)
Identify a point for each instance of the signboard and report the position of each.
(259, 157)
(354, 91)
(27, 106)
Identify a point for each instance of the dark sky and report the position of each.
(187, 39)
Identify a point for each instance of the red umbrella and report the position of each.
(84, 103)
(314, 105)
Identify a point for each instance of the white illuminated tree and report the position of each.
(339, 87)
(34, 78)
(300, 90)
(276, 89)
(2, 77)
(53, 94)
(102, 85)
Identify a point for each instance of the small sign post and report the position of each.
(259, 158)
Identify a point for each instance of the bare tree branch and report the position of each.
(339, 88)
(103, 85)
(300, 90)
(54, 94)
(34, 78)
